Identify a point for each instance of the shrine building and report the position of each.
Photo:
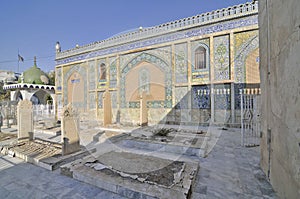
(192, 70)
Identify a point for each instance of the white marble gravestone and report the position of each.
(25, 120)
(70, 130)
(143, 109)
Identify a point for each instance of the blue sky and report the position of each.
(34, 26)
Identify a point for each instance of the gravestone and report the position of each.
(107, 113)
(25, 121)
(1, 120)
(70, 130)
(143, 110)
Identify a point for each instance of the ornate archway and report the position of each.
(75, 88)
(146, 71)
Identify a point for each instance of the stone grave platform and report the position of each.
(41, 153)
(170, 140)
(135, 175)
(7, 138)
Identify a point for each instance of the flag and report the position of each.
(20, 58)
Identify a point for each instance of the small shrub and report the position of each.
(162, 132)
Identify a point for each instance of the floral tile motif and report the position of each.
(221, 58)
(92, 73)
(113, 73)
(245, 43)
(181, 61)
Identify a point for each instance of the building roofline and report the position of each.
(215, 16)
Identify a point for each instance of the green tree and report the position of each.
(51, 76)
(4, 95)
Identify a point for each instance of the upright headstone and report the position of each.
(143, 110)
(70, 130)
(25, 121)
(1, 120)
(107, 112)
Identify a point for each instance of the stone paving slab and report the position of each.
(22, 180)
(228, 171)
(231, 171)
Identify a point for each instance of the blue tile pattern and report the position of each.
(58, 79)
(92, 84)
(201, 97)
(227, 25)
(222, 101)
(113, 73)
(241, 55)
(181, 61)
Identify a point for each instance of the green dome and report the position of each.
(35, 75)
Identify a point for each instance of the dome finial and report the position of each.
(34, 63)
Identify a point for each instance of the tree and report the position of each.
(4, 95)
(51, 76)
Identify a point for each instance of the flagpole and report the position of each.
(18, 61)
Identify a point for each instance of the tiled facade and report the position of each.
(190, 68)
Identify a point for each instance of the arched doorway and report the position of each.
(18, 96)
(40, 97)
(75, 86)
(145, 77)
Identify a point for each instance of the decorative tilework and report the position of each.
(150, 104)
(237, 94)
(92, 100)
(114, 99)
(164, 53)
(59, 101)
(82, 71)
(181, 98)
(144, 81)
(244, 44)
(200, 75)
(221, 58)
(201, 97)
(196, 44)
(203, 30)
(159, 63)
(100, 100)
(125, 59)
(101, 77)
(181, 61)
(92, 68)
(113, 72)
(222, 99)
(58, 79)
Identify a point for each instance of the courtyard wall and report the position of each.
(279, 68)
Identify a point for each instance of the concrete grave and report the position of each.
(143, 109)
(70, 130)
(136, 175)
(25, 120)
(107, 108)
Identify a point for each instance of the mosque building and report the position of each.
(33, 85)
(191, 70)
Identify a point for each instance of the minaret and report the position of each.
(34, 62)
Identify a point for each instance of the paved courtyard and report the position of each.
(232, 171)
(229, 171)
